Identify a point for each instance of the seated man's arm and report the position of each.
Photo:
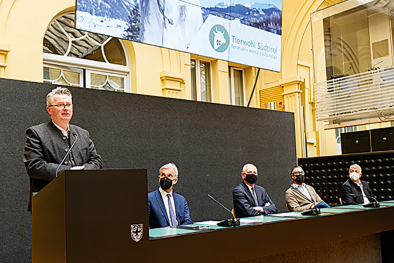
(241, 204)
(347, 195)
(185, 219)
(269, 206)
(315, 197)
(293, 204)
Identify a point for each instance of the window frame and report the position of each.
(198, 78)
(87, 66)
(60, 67)
(232, 88)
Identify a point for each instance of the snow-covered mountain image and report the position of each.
(114, 9)
(118, 18)
(253, 27)
(259, 15)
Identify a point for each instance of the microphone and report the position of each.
(68, 152)
(311, 212)
(226, 222)
(374, 203)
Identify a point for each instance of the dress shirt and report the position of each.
(303, 190)
(64, 132)
(366, 201)
(251, 191)
(165, 201)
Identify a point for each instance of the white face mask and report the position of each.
(354, 176)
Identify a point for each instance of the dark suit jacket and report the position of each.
(46, 147)
(157, 212)
(244, 201)
(351, 193)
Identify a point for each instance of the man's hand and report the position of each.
(78, 167)
(267, 204)
(258, 208)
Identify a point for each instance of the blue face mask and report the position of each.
(251, 178)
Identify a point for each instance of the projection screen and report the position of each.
(247, 32)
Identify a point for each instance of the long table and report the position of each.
(89, 216)
(274, 234)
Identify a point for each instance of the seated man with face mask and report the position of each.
(354, 191)
(251, 199)
(166, 208)
(300, 196)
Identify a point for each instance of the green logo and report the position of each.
(219, 39)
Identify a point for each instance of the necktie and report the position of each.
(254, 196)
(172, 212)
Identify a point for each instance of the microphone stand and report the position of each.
(374, 203)
(226, 222)
(68, 152)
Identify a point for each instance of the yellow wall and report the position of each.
(296, 77)
(162, 72)
(22, 27)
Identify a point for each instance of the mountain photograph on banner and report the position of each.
(245, 31)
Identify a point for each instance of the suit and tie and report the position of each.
(157, 212)
(244, 201)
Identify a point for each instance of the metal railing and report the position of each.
(363, 95)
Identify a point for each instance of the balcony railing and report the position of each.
(364, 98)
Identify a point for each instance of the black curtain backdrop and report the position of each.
(208, 142)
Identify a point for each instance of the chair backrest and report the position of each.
(287, 207)
(233, 212)
(340, 200)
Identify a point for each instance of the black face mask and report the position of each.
(251, 178)
(165, 183)
(300, 178)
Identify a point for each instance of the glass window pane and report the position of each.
(238, 87)
(63, 77)
(94, 54)
(205, 80)
(72, 77)
(97, 80)
(51, 73)
(347, 44)
(193, 79)
(114, 52)
(116, 82)
(104, 82)
(55, 41)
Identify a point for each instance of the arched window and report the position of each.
(77, 58)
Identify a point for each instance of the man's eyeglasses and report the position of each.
(62, 105)
(297, 173)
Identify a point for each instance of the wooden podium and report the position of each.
(86, 216)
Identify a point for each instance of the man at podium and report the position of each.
(166, 208)
(56, 146)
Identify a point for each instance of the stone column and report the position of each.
(292, 100)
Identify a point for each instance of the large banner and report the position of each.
(246, 31)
